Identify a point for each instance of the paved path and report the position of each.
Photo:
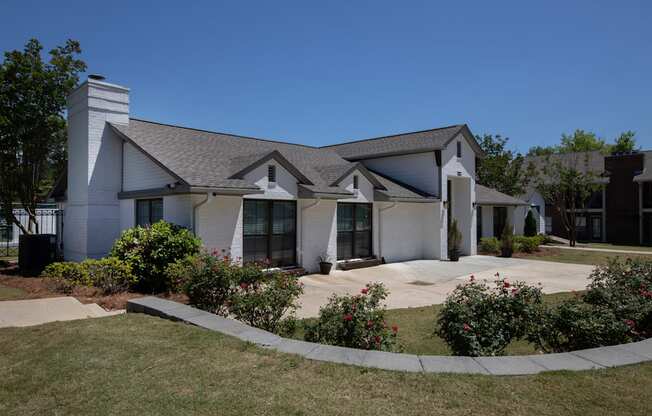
(39, 311)
(606, 250)
(594, 358)
(428, 282)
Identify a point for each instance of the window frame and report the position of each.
(149, 201)
(354, 230)
(269, 233)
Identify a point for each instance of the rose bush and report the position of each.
(356, 321)
(478, 320)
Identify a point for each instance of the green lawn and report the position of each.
(620, 247)
(575, 256)
(10, 293)
(136, 364)
(417, 327)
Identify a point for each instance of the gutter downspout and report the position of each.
(209, 196)
(303, 209)
(380, 228)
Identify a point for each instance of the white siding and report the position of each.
(127, 213)
(317, 232)
(140, 172)
(177, 209)
(285, 186)
(219, 224)
(365, 192)
(419, 170)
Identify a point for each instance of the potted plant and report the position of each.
(507, 241)
(325, 264)
(454, 242)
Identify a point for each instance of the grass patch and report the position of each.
(417, 326)
(576, 256)
(11, 293)
(136, 364)
(620, 247)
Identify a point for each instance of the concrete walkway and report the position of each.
(39, 311)
(594, 358)
(606, 250)
(427, 282)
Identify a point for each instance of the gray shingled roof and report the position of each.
(592, 161)
(205, 159)
(420, 141)
(646, 175)
(489, 196)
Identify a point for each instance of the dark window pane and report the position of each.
(362, 217)
(355, 181)
(595, 200)
(269, 237)
(344, 245)
(354, 230)
(156, 213)
(255, 219)
(345, 217)
(363, 243)
(271, 173)
(647, 194)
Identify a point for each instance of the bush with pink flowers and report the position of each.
(356, 321)
(479, 320)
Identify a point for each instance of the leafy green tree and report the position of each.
(624, 143)
(32, 127)
(567, 189)
(582, 141)
(501, 168)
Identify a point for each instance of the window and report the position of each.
(354, 230)
(647, 194)
(580, 221)
(149, 211)
(269, 229)
(548, 225)
(459, 149)
(355, 182)
(271, 173)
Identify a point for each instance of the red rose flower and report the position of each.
(370, 323)
(244, 286)
(377, 338)
(364, 291)
(467, 328)
(348, 317)
(505, 284)
(395, 328)
(630, 323)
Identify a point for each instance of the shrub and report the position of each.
(208, 280)
(530, 227)
(355, 321)
(507, 241)
(268, 301)
(489, 245)
(477, 320)
(527, 244)
(67, 274)
(150, 250)
(574, 325)
(109, 274)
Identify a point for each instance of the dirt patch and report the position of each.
(38, 288)
(548, 252)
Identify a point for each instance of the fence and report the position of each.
(50, 221)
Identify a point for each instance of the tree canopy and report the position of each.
(501, 168)
(586, 141)
(32, 125)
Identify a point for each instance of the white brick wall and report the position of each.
(317, 233)
(219, 223)
(419, 170)
(365, 192)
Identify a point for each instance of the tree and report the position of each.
(625, 143)
(567, 189)
(582, 141)
(32, 127)
(530, 227)
(501, 169)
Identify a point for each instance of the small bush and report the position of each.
(530, 227)
(150, 250)
(208, 280)
(489, 245)
(574, 325)
(477, 320)
(67, 274)
(355, 321)
(110, 274)
(527, 244)
(267, 301)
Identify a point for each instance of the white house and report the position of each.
(389, 198)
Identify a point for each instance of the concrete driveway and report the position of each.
(427, 282)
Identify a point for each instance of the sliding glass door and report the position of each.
(269, 229)
(354, 231)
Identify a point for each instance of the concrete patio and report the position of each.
(39, 311)
(427, 282)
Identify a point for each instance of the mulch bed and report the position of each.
(38, 288)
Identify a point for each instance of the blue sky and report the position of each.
(324, 72)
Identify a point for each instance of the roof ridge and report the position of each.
(394, 135)
(223, 133)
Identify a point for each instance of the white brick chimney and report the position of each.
(92, 215)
